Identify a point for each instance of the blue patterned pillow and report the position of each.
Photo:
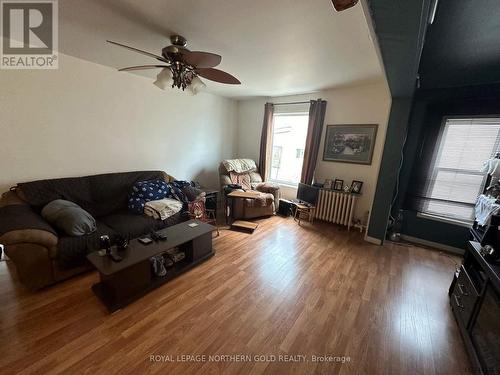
(145, 191)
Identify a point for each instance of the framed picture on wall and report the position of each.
(350, 143)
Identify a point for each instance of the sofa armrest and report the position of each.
(10, 198)
(266, 187)
(271, 188)
(34, 236)
(33, 264)
(20, 224)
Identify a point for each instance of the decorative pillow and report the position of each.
(69, 217)
(197, 209)
(145, 191)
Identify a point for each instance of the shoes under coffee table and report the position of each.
(123, 282)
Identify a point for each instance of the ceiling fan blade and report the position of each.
(141, 67)
(200, 59)
(217, 76)
(158, 57)
(341, 5)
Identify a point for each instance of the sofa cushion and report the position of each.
(72, 251)
(132, 226)
(255, 177)
(69, 217)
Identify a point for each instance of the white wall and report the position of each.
(87, 118)
(360, 104)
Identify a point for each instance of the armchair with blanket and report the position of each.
(244, 172)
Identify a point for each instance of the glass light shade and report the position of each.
(196, 85)
(164, 79)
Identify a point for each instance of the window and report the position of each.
(288, 143)
(455, 179)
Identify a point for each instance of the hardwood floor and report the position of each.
(283, 290)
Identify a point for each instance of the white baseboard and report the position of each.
(373, 240)
(436, 245)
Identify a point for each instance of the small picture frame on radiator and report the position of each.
(356, 187)
(338, 185)
(327, 184)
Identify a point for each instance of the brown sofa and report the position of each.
(252, 209)
(43, 256)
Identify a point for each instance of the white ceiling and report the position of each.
(274, 47)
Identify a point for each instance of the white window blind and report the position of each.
(455, 180)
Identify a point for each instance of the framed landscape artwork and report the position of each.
(350, 143)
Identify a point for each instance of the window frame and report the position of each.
(271, 145)
(450, 219)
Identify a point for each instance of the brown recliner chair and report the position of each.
(251, 208)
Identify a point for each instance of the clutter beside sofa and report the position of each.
(243, 175)
(49, 226)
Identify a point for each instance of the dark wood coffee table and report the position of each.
(123, 282)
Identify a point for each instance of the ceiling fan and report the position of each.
(341, 5)
(181, 67)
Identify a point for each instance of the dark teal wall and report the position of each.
(400, 27)
(462, 46)
(460, 49)
(429, 107)
(391, 158)
(434, 231)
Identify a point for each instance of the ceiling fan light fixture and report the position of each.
(164, 79)
(340, 5)
(196, 85)
(181, 67)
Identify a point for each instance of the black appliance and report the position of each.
(475, 302)
(485, 332)
(285, 208)
(307, 193)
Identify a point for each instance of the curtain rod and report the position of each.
(306, 102)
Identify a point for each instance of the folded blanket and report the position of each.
(239, 165)
(242, 179)
(163, 208)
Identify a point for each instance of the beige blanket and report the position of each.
(162, 209)
(239, 165)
